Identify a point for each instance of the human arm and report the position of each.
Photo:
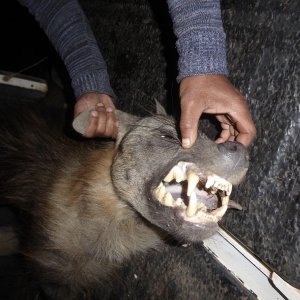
(68, 30)
(204, 87)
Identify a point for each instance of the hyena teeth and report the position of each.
(219, 212)
(185, 171)
(202, 215)
(192, 207)
(168, 200)
(213, 191)
(160, 192)
(179, 175)
(179, 202)
(229, 189)
(193, 180)
(217, 183)
(202, 207)
(169, 177)
(210, 181)
(225, 200)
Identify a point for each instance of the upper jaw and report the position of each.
(191, 197)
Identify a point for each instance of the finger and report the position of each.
(231, 131)
(110, 121)
(100, 131)
(241, 126)
(224, 136)
(93, 121)
(189, 119)
(246, 130)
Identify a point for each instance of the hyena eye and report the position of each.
(167, 136)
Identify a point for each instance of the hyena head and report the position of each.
(183, 191)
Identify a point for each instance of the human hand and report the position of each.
(214, 94)
(102, 118)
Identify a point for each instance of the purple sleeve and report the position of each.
(68, 30)
(200, 37)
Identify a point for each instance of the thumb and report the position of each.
(189, 125)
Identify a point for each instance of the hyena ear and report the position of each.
(126, 120)
(160, 110)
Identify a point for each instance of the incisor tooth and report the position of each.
(193, 180)
(179, 202)
(208, 217)
(168, 199)
(192, 207)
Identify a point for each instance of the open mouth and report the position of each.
(198, 197)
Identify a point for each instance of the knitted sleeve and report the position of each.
(200, 37)
(68, 30)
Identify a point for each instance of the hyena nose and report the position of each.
(234, 151)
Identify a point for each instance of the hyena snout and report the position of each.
(235, 152)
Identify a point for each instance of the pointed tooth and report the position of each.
(219, 212)
(168, 199)
(192, 207)
(161, 192)
(178, 174)
(169, 177)
(213, 191)
(179, 202)
(193, 180)
(229, 189)
(225, 200)
(156, 192)
(210, 181)
(202, 207)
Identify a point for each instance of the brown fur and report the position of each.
(86, 209)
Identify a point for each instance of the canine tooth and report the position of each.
(202, 207)
(210, 181)
(192, 207)
(193, 180)
(229, 189)
(178, 174)
(225, 200)
(168, 199)
(219, 212)
(169, 177)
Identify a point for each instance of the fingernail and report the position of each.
(94, 113)
(186, 142)
(109, 109)
(100, 104)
